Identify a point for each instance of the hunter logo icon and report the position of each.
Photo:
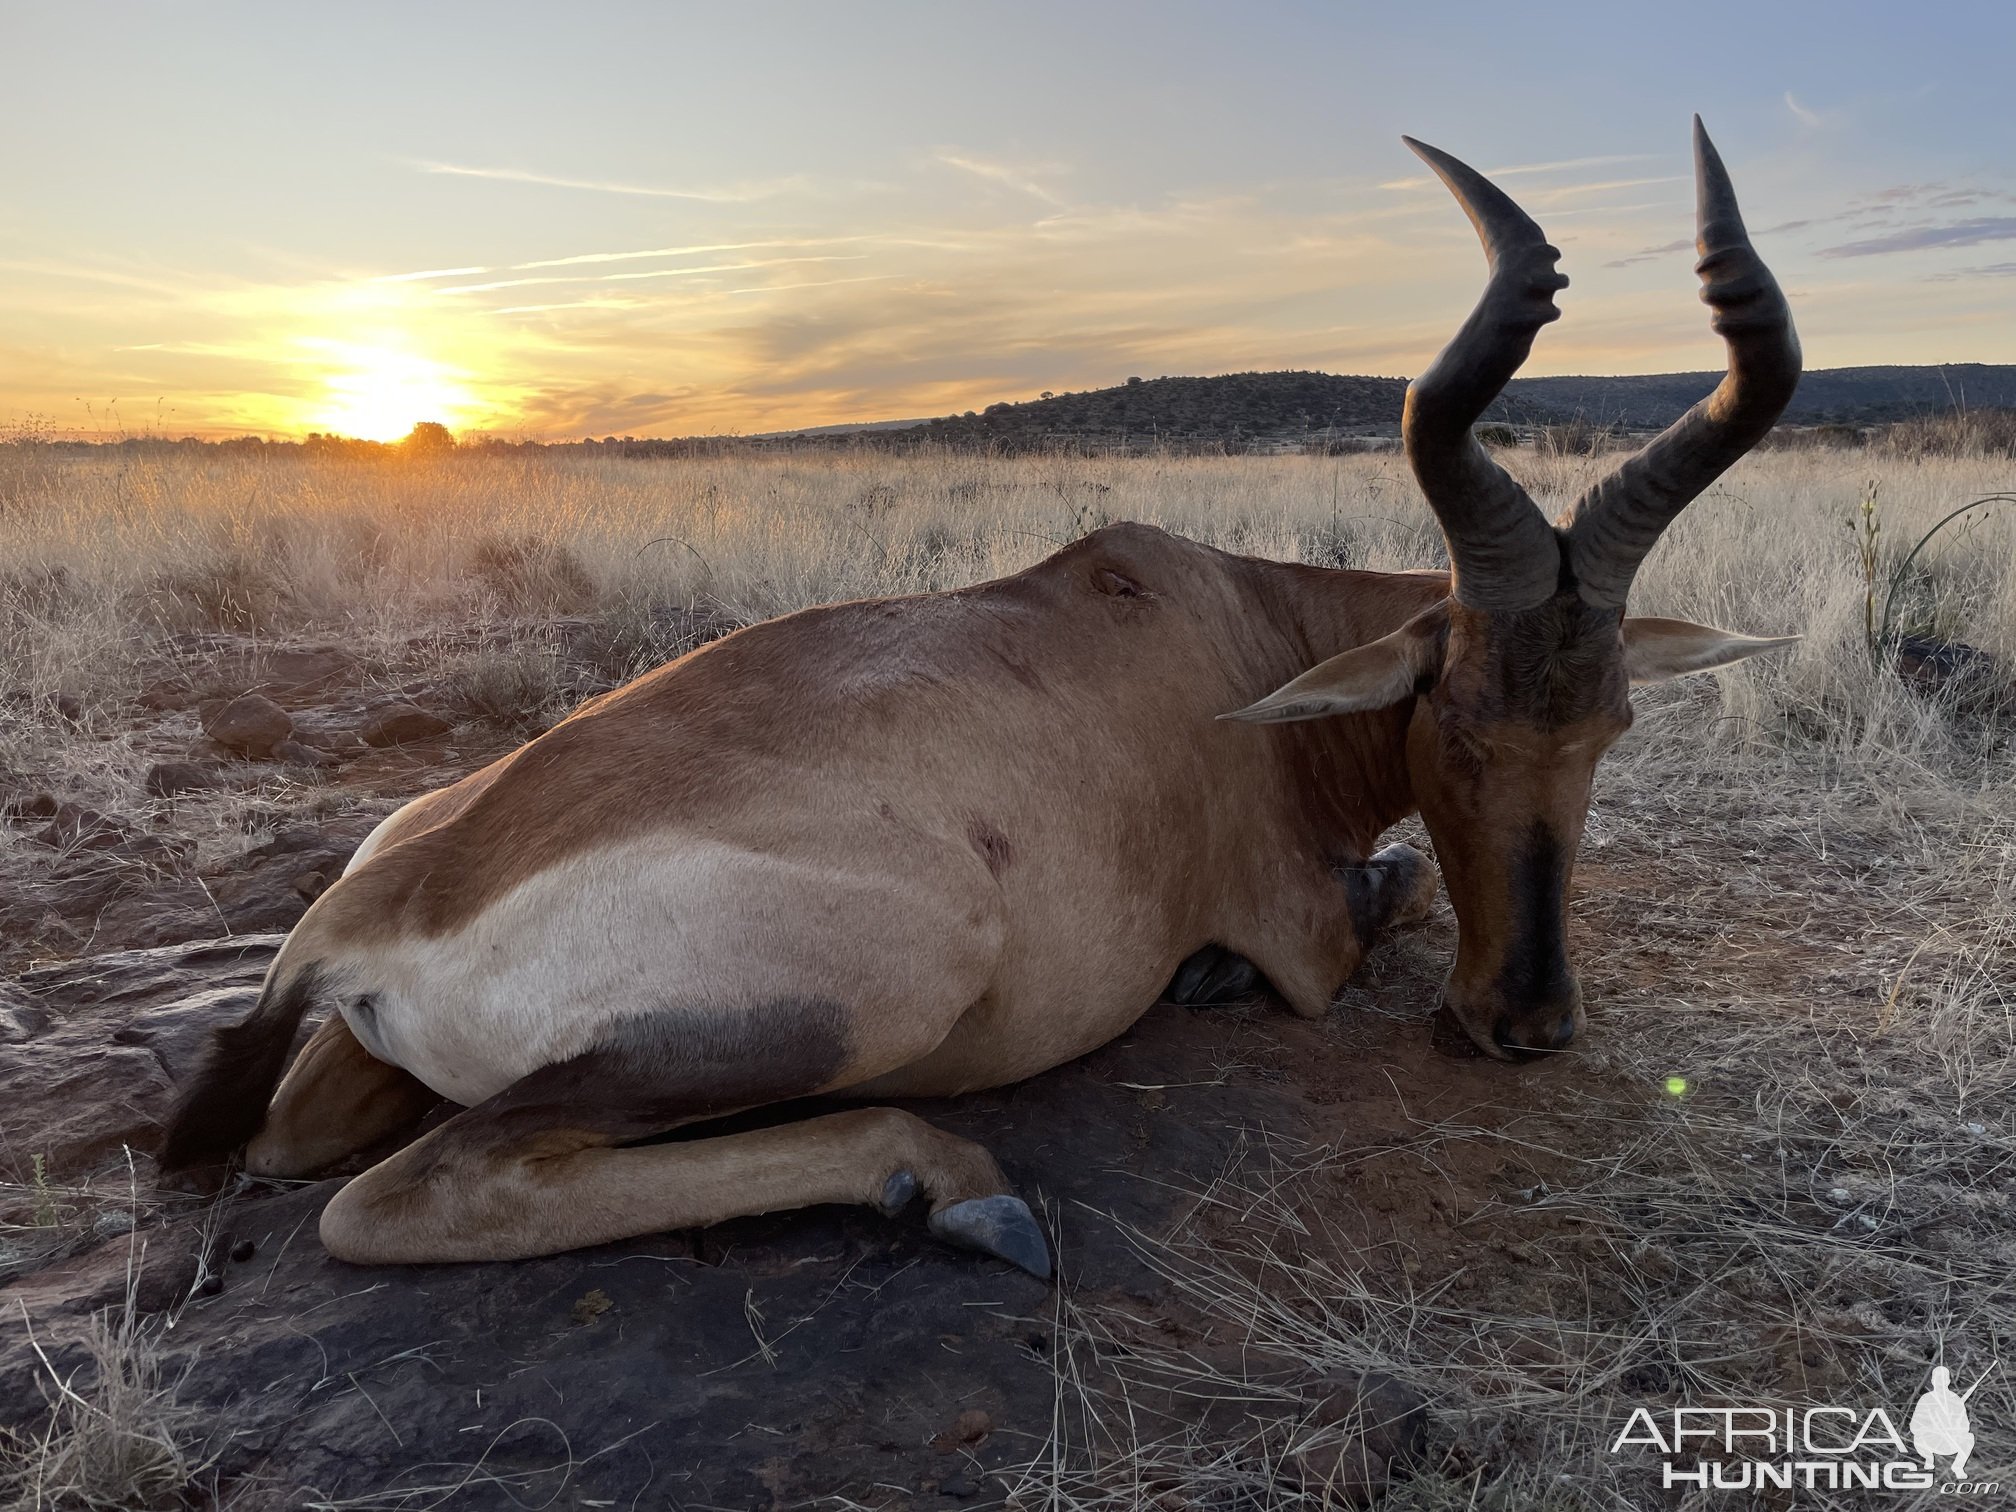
(1824, 1446)
(1939, 1425)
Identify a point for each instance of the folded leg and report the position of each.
(493, 1184)
(336, 1099)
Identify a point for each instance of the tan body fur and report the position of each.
(986, 823)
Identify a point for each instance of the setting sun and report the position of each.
(380, 393)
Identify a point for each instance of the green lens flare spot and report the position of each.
(1676, 1086)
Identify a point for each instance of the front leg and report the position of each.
(1397, 886)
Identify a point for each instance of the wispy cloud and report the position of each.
(1013, 176)
(1025, 276)
(573, 304)
(732, 194)
(820, 283)
(1646, 254)
(773, 262)
(1805, 115)
(1601, 186)
(686, 272)
(1561, 165)
(110, 277)
(1966, 233)
(1966, 275)
(581, 258)
(426, 273)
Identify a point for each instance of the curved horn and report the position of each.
(1504, 552)
(1614, 524)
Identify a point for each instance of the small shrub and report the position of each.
(533, 575)
(29, 472)
(117, 1434)
(631, 636)
(229, 591)
(520, 688)
(1332, 547)
(1578, 438)
(1961, 433)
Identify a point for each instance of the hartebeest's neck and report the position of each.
(1353, 768)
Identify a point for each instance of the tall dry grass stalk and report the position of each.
(118, 1436)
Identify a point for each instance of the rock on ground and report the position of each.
(250, 724)
(400, 724)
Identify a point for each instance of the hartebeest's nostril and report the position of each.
(1564, 1031)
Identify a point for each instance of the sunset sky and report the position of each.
(666, 219)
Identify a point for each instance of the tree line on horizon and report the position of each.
(1969, 407)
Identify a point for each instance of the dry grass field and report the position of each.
(1780, 1169)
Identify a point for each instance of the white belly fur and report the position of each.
(642, 928)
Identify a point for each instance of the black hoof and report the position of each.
(896, 1193)
(999, 1226)
(1212, 975)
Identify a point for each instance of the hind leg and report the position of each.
(495, 1184)
(336, 1099)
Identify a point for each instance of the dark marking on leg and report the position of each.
(655, 1072)
(1368, 893)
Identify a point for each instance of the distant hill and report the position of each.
(1243, 408)
(841, 428)
(1239, 407)
(1831, 396)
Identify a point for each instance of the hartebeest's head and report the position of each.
(1521, 676)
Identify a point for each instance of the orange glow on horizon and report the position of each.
(379, 393)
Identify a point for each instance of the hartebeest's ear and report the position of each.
(1656, 649)
(1365, 677)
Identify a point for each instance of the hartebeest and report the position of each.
(917, 846)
